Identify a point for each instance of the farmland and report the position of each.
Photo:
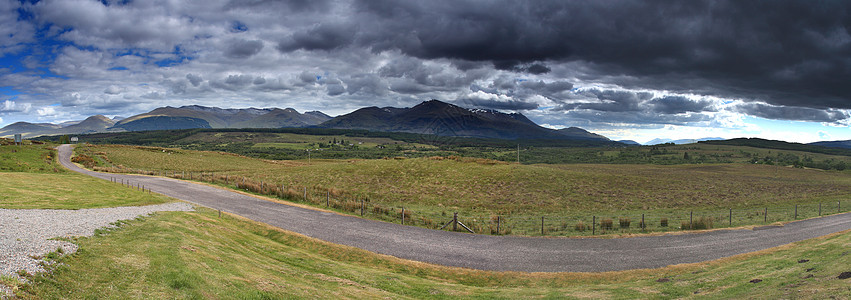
(481, 189)
(200, 255)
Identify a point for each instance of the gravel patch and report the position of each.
(25, 233)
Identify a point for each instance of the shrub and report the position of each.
(624, 223)
(580, 226)
(703, 223)
(663, 222)
(699, 223)
(606, 224)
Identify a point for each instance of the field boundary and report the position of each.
(485, 252)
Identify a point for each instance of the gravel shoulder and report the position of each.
(26, 235)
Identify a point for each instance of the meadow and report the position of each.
(569, 197)
(201, 255)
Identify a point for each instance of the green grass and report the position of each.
(199, 255)
(68, 191)
(431, 189)
(29, 158)
(32, 178)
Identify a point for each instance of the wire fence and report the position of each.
(518, 224)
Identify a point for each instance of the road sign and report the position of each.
(74, 139)
(18, 138)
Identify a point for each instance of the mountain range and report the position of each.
(429, 117)
(658, 141)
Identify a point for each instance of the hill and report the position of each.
(833, 144)
(28, 129)
(93, 124)
(163, 123)
(444, 119)
(236, 118)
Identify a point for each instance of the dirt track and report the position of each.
(503, 253)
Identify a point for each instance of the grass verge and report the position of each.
(199, 255)
(68, 191)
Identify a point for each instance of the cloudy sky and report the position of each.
(625, 69)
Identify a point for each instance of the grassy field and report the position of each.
(199, 255)
(68, 191)
(29, 158)
(30, 177)
(434, 188)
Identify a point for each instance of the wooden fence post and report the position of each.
(796, 211)
(403, 216)
(690, 220)
(361, 205)
(327, 197)
(542, 225)
(455, 221)
(643, 226)
(819, 209)
(765, 215)
(594, 225)
(731, 217)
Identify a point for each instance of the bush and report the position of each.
(606, 224)
(580, 226)
(663, 222)
(624, 223)
(699, 223)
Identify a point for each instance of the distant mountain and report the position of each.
(658, 141)
(237, 118)
(576, 132)
(833, 144)
(278, 118)
(91, 124)
(430, 117)
(440, 118)
(27, 129)
(163, 123)
(629, 142)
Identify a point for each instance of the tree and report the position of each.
(685, 156)
(65, 139)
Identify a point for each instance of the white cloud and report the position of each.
(46, 111)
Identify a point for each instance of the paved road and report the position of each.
(484, 252)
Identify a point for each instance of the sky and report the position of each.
(634, 70)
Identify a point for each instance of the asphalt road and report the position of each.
(484, 252)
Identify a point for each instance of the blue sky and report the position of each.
(625, 69)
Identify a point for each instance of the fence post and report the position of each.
(361, 204)
(454, 221)
(594, 225)
(796, 211)
(403, 216)
(643, 226)
(305, 198)
(731, 217)
(542, 225)
(819, 209)
(327, 196)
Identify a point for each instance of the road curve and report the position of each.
(485, 252)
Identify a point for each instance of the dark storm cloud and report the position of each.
(611, 101)
(678, 104)
(240, 48)
(792, 53)
(321, 37)
(495, 104)
(792, 113)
